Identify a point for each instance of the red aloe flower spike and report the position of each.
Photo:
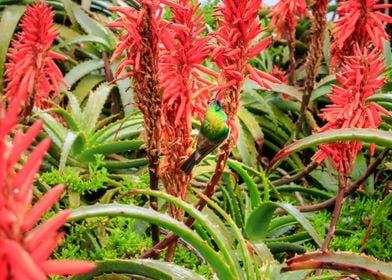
(239, 27)
(24, 252)
(31, 71)
(140, 41)
(185, 91)
(359, 79)
(360, 23)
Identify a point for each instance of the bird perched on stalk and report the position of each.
(213, 132)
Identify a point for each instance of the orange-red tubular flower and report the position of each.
(24, 250)
(284, 15)
(358, 80)
(360, 22)
(237, 42)
(185, 91)
(31, 71)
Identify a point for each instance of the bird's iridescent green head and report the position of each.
(215, 110)
(214, 126)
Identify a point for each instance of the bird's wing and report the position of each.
(205, 146)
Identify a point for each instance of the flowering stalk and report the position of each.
(185, 93)
(358, 81)
(239, 28)
(314, 57)
(24, 250)
(140, 41)
(283, 18)
(360, 23)
(31, 71)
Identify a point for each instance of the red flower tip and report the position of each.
(67, 267)
(284, 15)
(360, 23)
(31, 71)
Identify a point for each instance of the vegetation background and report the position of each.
(120, 88)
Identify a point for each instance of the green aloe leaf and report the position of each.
(381, 97)
(110, 148)
(92, 27)
(252, 125)
(131, 163)
(82, 70)
(361, 265)
(54, 128)
(286, 89)
(380, 137)
(203, 220)
(153, 269)
(74, 106)
(216, 261)
(246, 145)
(254, 193)
(259, 220)
(257, 225)
(279, 247)
(125, 128)
(257, 102)
(83, 39)
(68, 142)
(86, 85)
(125, 90)
(9, 19)
(94, 106)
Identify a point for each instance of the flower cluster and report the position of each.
(186, 91)
(237, 38)
(284, 15)
(24, 250)
(358, 80)
(31, 71)
(360, 23)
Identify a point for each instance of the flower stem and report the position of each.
(336, 212)
(314, 58)
(171, 238)
(291, 45)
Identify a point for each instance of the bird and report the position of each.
(213, 132)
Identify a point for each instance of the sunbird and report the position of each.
(213, 132)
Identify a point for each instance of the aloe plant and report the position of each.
(84, 133)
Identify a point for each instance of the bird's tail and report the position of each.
(187, 166)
